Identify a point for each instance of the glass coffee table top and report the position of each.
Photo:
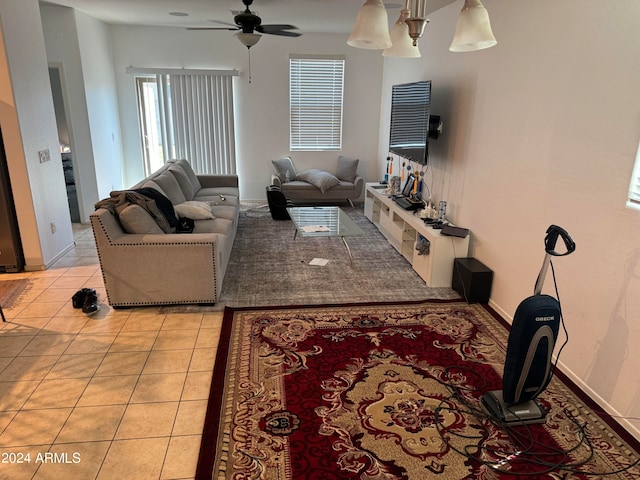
(324, 222)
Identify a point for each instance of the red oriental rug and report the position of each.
(375, 392)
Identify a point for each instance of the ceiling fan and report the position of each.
(249, 23)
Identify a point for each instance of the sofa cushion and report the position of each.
(152, 184)
(194, 210)
(284, 165)
(188, 170)
(319, 178)
(347, 168)
(183, 180)
(170, 187)
(135, 219)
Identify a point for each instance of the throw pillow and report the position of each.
(170, 187)
(347, 168)
(135, 219)
(194, 210)
(319, 178)
(284, 165)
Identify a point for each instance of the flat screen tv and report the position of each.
(409, 131)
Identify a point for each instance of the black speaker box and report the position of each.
(472, 279)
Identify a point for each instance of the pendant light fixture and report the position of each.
(402, 45)
(473, 29)
(371, 30)
(417, 19)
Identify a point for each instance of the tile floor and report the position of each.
(119, 395)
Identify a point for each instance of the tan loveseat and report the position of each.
(144, 265)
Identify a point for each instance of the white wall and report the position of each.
(262, 113)
(543, 129)
(80, 46)
(27, 119)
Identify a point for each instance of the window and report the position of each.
(633, 200)
(316, 86)
(188, 115)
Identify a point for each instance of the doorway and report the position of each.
(64, 137)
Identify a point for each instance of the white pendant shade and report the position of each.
(248, 39)
(371, 30)
(473, 29)
(402, 43)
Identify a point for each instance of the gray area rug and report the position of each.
(268, 267)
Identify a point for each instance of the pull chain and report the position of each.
(249, 50)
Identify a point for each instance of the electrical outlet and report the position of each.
(44, 155)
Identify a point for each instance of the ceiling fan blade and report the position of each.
(220, 22)
(213, 28)
(278, 29)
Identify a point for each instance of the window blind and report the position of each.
(315, 102)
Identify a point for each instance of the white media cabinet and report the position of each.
(401, 228)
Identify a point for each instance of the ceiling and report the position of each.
(319, 16)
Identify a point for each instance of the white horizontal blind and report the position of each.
(316, 97)
(633, 199)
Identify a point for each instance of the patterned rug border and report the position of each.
(206, 458)
(14, 292)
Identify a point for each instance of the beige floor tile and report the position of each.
(76, 461)
(76, 366)
(139, 459)
(12, 345)
(34, 427)
(4, 361)
(13, 395)
(134, 341)
(212, 319)
(56, 295)
(176, 339)
(58, 324)
(182, 321)
(28, 368)
(47, 345)
(82, 270)
(122, 363)
(111, 322)
(203, 360)
(70, 282)
(91, 343)
(145, 420)
(208, 338)
(90, 424)
(197, 386)
(182, 457)
(159, 388)
(168, 361)
(24, 325)
(190, 418)
(139, 322)
(25, 469)
(57, 393)
(108, 391)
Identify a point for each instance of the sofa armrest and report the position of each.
(358, 185)
(212, 181)
(275, 180)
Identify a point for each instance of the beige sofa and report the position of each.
(318, 185)
(144, 265)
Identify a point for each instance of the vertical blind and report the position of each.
(316, 87)
(203, 127)
(190, 115)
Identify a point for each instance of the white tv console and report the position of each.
(401, 229)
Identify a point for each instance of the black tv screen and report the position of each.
(409, 131)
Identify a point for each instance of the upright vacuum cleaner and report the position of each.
(532, 338)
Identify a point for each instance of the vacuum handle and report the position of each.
(553, 232)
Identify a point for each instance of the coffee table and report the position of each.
(324, 222)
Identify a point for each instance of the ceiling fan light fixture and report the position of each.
(248, 39)
(473, 29)
(371, 30)
(402, 45)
